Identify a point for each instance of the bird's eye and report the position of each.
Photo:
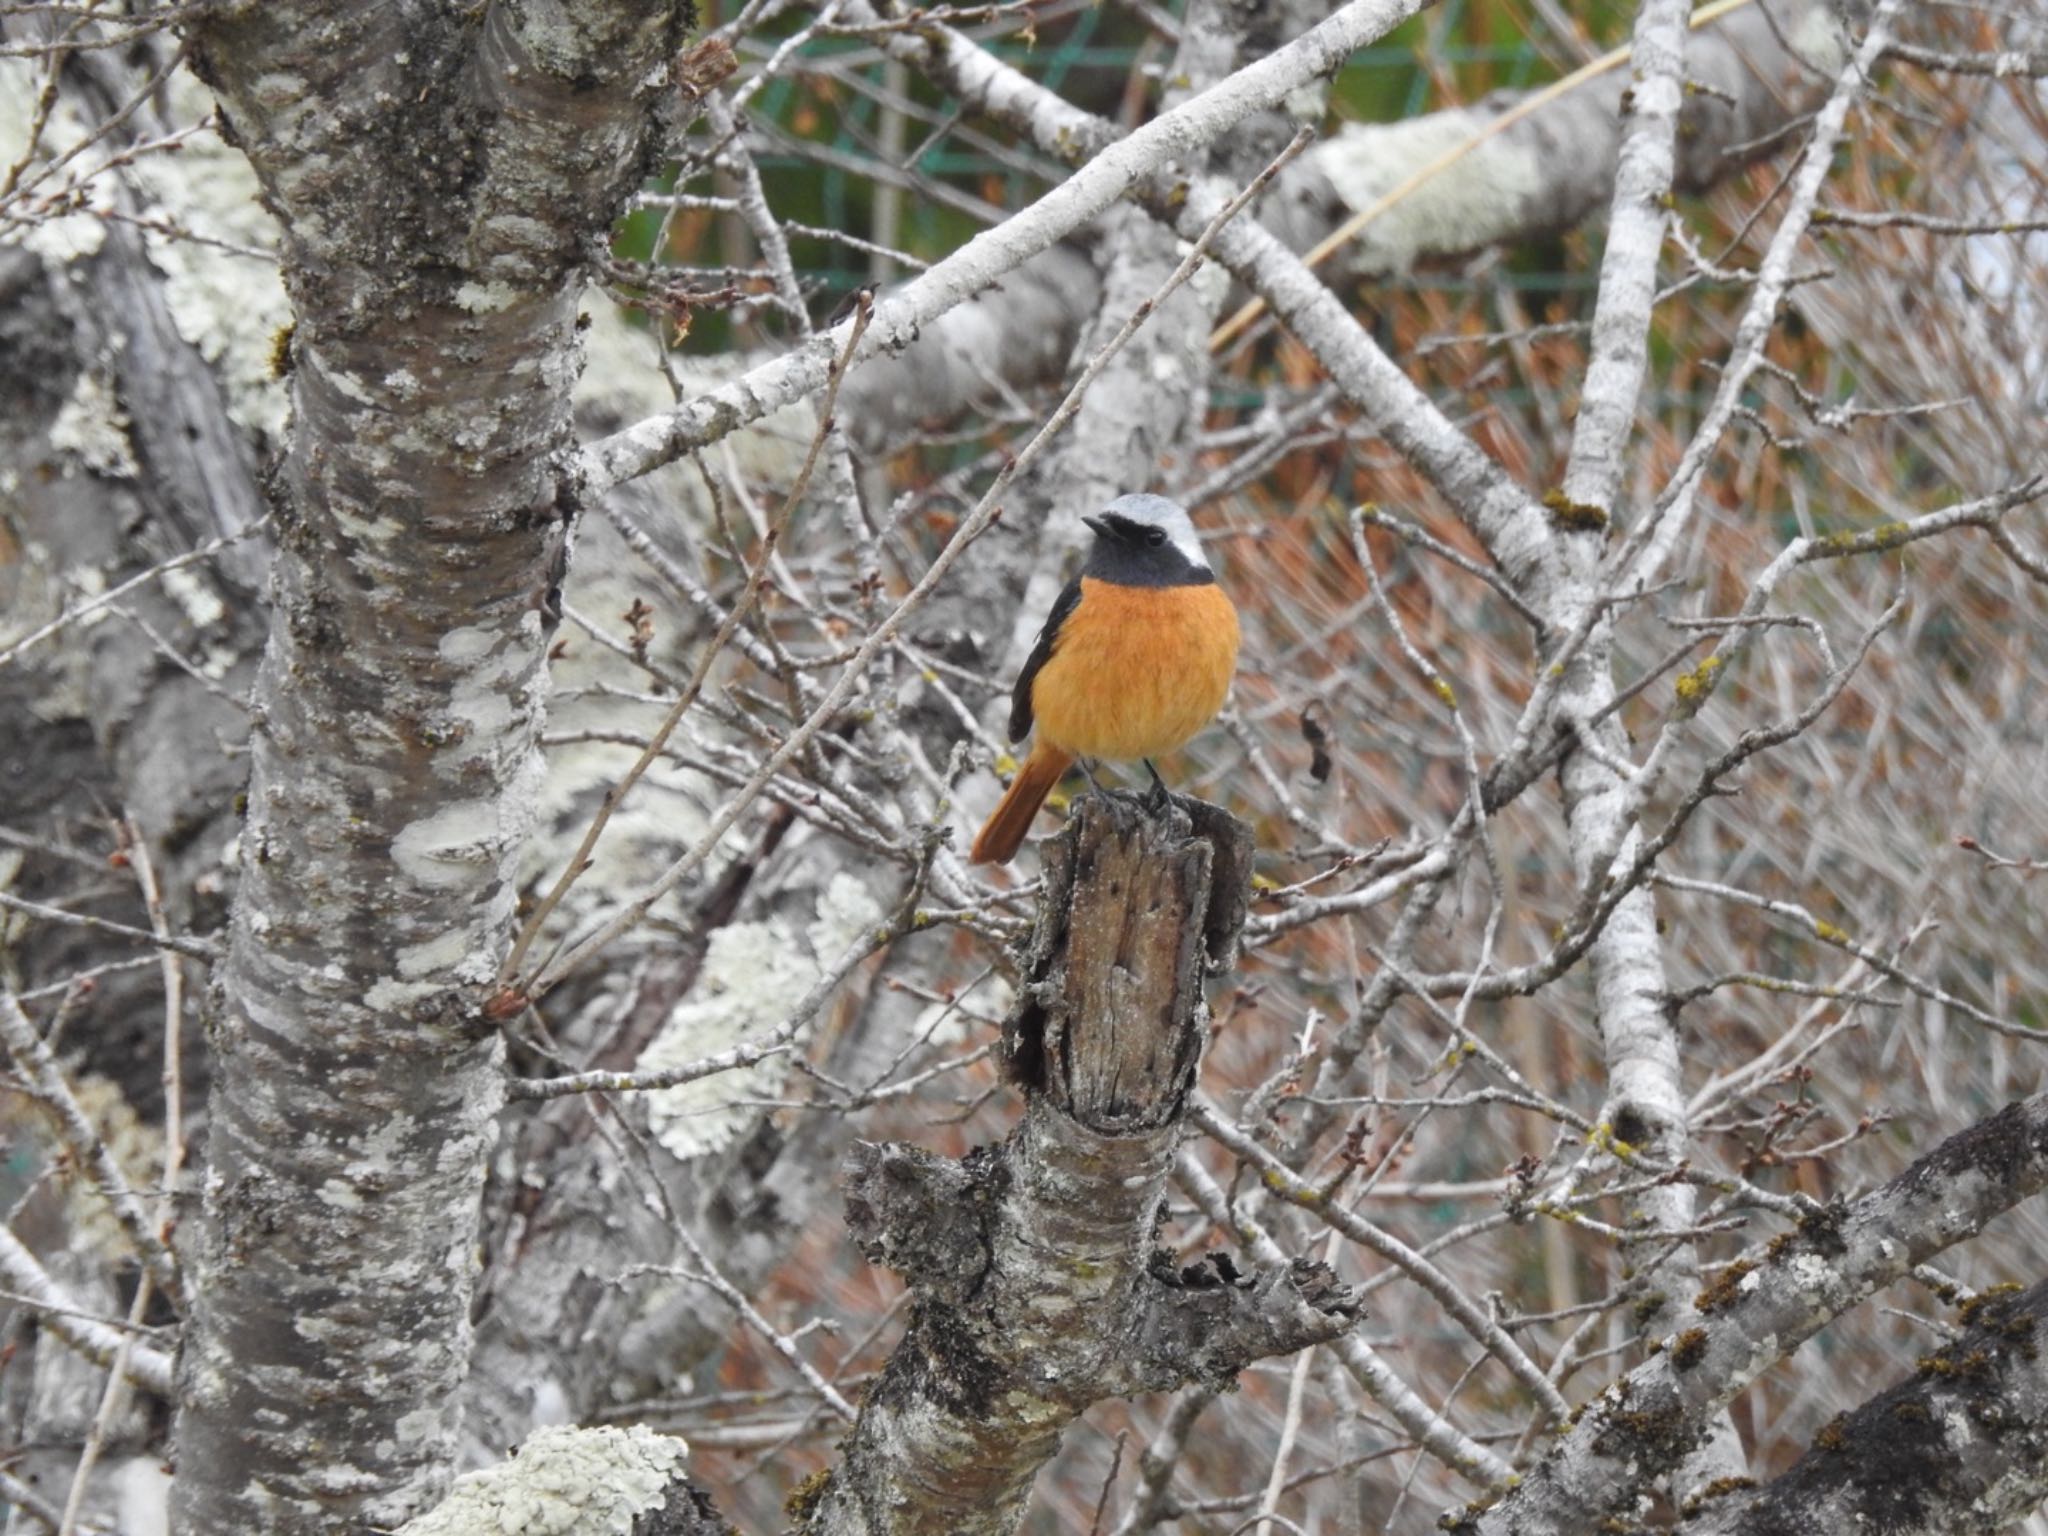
(1155, 536)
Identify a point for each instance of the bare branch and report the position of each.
(1904, 1460)
(1113, 172)
(97, 1340)
(87, 1147)
(1758, 1311)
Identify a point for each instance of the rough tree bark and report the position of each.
(439, 179)
(1757, 1311)
(1037, 1285)
(1958, 1448)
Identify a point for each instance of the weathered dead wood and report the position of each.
(1037, 1283)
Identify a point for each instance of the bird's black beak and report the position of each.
(1101, 528)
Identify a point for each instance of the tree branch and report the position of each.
(58, 1312)
(1112, 173)
(1628, 267)
(1757, 1311)
(1037, 1286)
(1960, 1446)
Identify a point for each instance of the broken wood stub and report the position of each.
(1038, 1287)
(1137, 908)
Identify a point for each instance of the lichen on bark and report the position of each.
(437, 180)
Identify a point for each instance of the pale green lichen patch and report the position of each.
(484, 695)
(93, 429)
(486, 298)
(340, 1195)
(201, 603)
(389, 996)
(468, 644)
(452, 846)
(563, 1482)
(1458, 209)
(1819, 39)
(439, 955)
(754, 975)
(76, 233)
(227, 305)
(621, 378)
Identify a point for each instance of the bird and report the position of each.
(1134, 659)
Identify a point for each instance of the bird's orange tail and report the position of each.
(1003, 833)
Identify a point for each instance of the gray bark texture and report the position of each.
(1756, 1311)
(1959, 1448)
(438, 183)
(1037, 1286)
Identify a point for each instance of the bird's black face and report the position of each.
(1131, 553)
(1117, 529)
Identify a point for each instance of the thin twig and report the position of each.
(83, 1141)
(94, 1337)
(198, 949)
(615, 796)
(205, 551)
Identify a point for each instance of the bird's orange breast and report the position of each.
(1136, 671)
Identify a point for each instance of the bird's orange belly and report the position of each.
(1136, 670)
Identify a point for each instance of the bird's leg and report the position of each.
(1088, 772)
(1160, 797)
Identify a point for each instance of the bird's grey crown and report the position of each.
(1158, 512)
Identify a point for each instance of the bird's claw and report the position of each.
(1159, 797)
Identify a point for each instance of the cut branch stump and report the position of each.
(1037, 1286)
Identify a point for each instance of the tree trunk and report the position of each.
(437, 183)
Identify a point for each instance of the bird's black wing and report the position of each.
(1041, 653)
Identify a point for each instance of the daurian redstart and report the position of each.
(1135, 658)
